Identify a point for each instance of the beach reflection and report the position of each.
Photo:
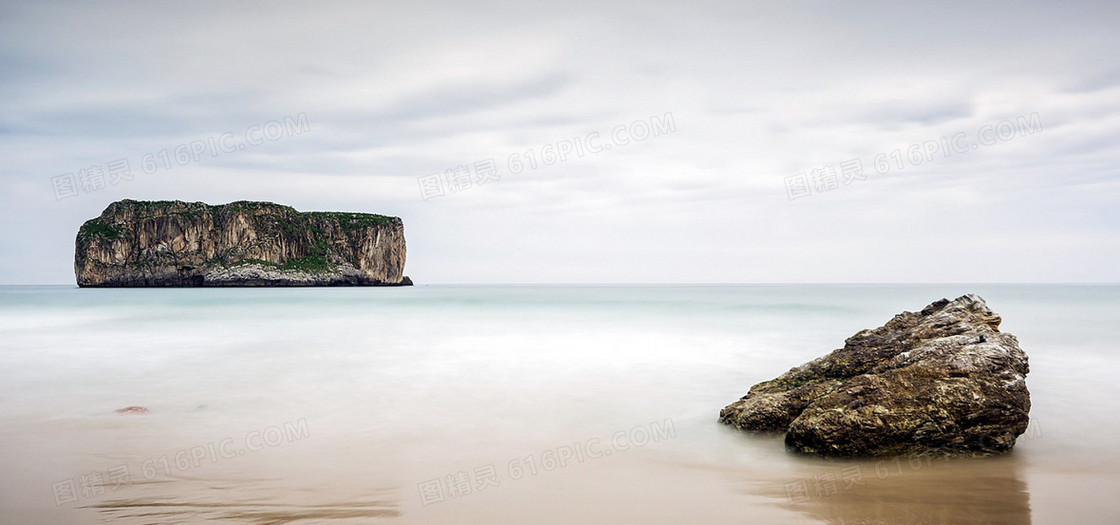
(918, 490)
(251, 501)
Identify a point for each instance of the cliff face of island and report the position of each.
(244, 243)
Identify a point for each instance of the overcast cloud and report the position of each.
(748, 96)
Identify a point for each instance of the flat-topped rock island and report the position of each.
(244, 243)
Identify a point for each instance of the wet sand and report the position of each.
(745, 479)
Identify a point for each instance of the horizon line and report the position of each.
(733, 283)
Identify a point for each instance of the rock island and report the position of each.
(244, 243)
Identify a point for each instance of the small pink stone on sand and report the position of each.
(132, 410)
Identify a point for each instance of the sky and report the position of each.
(588, 142)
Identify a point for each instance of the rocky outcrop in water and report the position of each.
(176, 243)
(942, 381)
(134, 409)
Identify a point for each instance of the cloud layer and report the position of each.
(760, 94)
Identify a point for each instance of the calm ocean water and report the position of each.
(507, 404)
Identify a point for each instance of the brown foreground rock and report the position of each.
(942, 381)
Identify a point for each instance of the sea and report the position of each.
(510, 404)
